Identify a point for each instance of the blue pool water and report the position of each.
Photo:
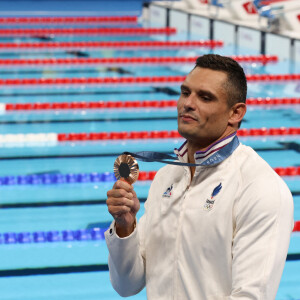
(78, 270)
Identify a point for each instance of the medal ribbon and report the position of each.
(217, 157)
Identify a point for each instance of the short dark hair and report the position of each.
(236, 85)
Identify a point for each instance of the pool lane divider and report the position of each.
(67, 20)
(164, 134)
(142, 80)
(27, 32)
(93, 234)
(91, 61)
(39, 139)
(126, 104)
(123, 45)
(95, 177)
(79, 235)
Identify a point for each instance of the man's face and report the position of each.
(203, 112)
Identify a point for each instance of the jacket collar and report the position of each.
(214, 154)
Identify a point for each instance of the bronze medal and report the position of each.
(126, 167)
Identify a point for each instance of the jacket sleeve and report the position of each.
(263, 225)
(126, 260)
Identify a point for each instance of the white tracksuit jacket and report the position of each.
(225, 235)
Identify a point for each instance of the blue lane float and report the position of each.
(53, 236)
(50, 178)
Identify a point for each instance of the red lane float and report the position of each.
(255, 58)
(90, 105)
(127, 80)
(288, 171)
(91, 81)
(268, 131)
(296, 226)
(273, 77)
(67, 20)
(16, 32)
(273, 101)
(133, 135)
(131, 104)
(108, 45)
(263, 59)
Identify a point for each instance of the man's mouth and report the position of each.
(187, 117)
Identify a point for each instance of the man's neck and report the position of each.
(195, 147)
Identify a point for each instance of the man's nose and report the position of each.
(190, 102)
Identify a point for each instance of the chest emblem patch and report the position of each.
(168, 192)
(209, 204)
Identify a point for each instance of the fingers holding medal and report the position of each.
(122, 201)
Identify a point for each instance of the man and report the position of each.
(219, 230)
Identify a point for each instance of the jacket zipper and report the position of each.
(181, 214)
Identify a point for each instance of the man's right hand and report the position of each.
(123, 205)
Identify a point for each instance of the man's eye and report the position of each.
(184, 93)
(206, 98)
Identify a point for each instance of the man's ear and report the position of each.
(237, 113)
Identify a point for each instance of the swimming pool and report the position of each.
(53, 190)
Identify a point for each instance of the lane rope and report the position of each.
(127, 104)
(79, 235)
(31, 46)
(67, 20)
(94, 177)
(131, 80)
(25, 32)
(77, 62)
(39, 139)
(51, 236)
